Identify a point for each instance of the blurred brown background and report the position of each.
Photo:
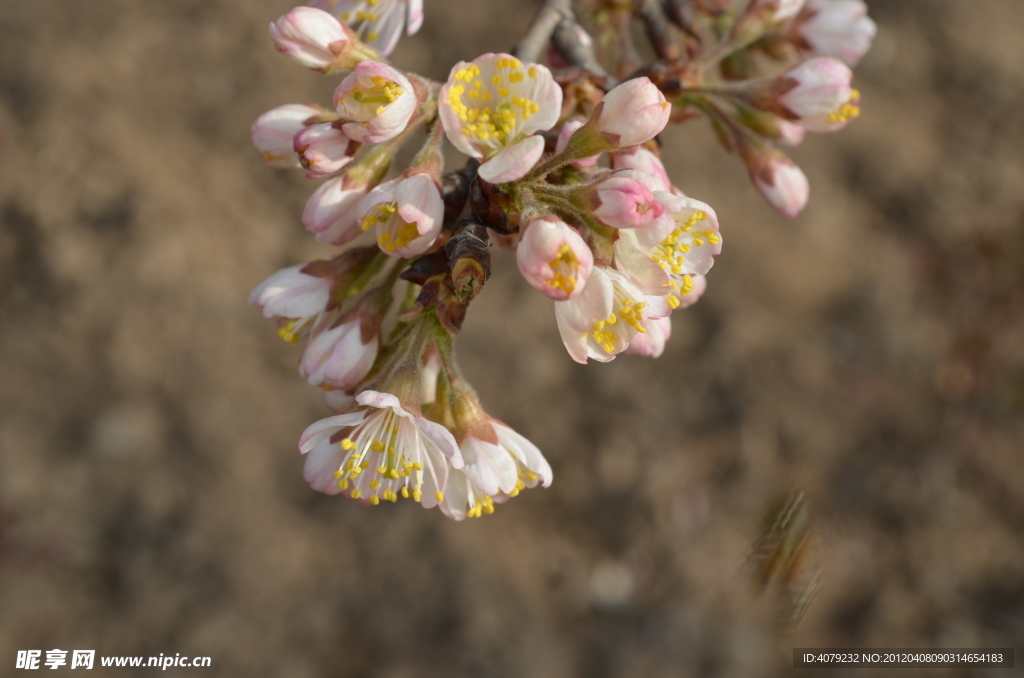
(151, 495)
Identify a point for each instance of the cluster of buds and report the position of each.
(564, 169)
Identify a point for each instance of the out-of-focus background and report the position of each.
(869, 352)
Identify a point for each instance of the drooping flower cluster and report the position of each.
(564, 169)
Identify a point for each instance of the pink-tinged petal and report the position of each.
(323, 149)
(389, 31)
(456, 496)
(321, 463)
(593, 303)
(635, 111)
(784, 186)
(381, 400)
(638, 265)
(651, 344)
(419, 200)
(488, 466)
(450, 119)
(325, 428)
(626, 199)
(658, 307)
(819, 87)
(309, 37)
(526, 452)
(563, 140)
(645, 161)
(838, 28)
(442, 438)
(574, 340)
(790, 134)
(415, 17)
(554, 258)
(291, 294)
(331, 211)
(273, 134)
(513, 162)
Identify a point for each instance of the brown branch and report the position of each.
(652, 13)
(531, 45)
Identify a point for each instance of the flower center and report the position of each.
(564, 268)
(605, 333)
(847, 111)
(370, 97)
(377, 442)
(671, 253)
(491, 109)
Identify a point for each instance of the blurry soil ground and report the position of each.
(151, 496)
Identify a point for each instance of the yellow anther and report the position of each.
(339, 473)
(365, 464)
(343, 483)
(416, 496)
(532, 72)
(356, 493)
(375, 483)
(372, 36)
(405, 492)
(439, 495)
(374, 499)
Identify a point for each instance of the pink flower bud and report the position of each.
(651, 344)
(779, 181)
(626, 199)
(273, 133)
(817, 87)
(836, 28)
(492, 107)
(554, 258)
(633, 112)
(331, 211)
(311, 37)
(323, 149)
(408, 212)
(788, 133)
(643, 160)
(340, 356)
(378, 100)
(290, 293)
(563, 140)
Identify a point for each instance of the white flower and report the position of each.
(408, 213)
(837, 28)
(342, 355)
(378, 100)
(273, 133)
(379, 453)
(492, 109)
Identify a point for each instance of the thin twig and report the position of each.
(531, 45)
(658, 31)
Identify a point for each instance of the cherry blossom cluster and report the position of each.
(563, 168)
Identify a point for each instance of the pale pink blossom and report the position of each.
(378, 22)
(837, 28)
(625, 199)
(273, 133)
(407, 211)
(380, 452)
(817, 87)
(492, 108)
(780, 182)
(323, 149)
(294, 296)
(644, 160)
(331, 211)
(651, 344)
(658, 259)
(495, 470)
(312, 38)
(554, 258)
(602, 321)
(633, 112)
(377, 100)
(563, 140)
(342, 354)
